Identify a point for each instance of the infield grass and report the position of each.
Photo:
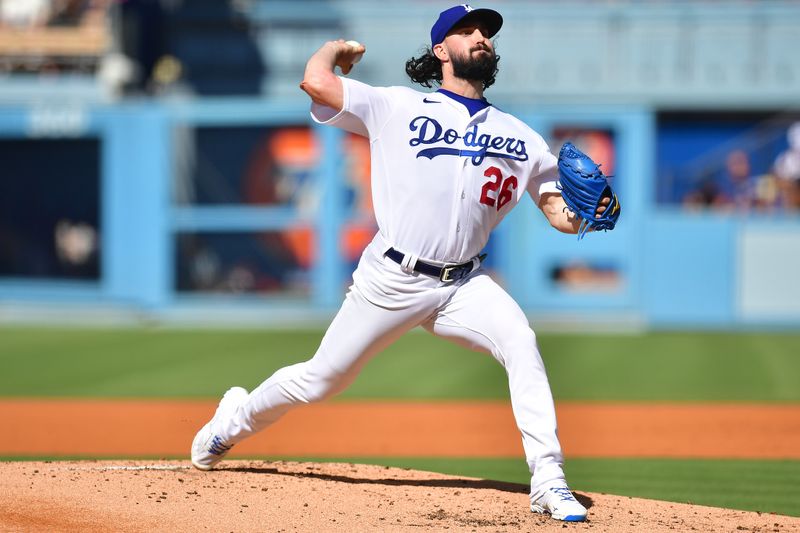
(685, 366)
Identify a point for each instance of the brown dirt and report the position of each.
(157, 428)
(135, 496)
(278, 496)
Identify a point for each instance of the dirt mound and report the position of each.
(148, 496)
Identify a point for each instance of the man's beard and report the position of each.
(479, 68)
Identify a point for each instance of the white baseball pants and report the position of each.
(385, 302)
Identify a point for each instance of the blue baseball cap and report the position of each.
(450, 17)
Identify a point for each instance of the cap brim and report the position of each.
(490, 17)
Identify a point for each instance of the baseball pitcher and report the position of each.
(447, 167)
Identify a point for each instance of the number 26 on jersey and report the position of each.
(489, 192)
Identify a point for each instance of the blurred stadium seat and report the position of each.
(55, 36)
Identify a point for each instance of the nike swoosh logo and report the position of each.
(430, 101)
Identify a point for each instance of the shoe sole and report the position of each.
(565, 518)
(202, 467)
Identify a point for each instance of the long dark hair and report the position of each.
(427, 70)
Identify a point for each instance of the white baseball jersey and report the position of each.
(441, 179)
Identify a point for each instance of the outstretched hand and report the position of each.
(347, 55)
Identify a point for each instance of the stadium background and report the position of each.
(163, 188)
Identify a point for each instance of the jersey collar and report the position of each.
(473, 105)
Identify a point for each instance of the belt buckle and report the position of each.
(454, 272)
(446, 271)
(462, 270)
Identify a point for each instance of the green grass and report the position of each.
(685, 366)
(752, 485)
(680, 366)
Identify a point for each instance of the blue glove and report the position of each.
(583, 185)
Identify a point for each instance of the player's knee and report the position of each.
(520, 340)
(317, 393)
(319, 384)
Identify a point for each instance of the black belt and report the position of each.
(444, 273)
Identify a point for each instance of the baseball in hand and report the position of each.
(355, 44)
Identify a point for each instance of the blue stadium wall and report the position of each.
(671, 267)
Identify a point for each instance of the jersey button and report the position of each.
(458, 228)
(463, 195)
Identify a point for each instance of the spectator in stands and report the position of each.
(52, 36)
(738, 185)
(68, 12)
(787, 169)
(732, 188)
(24, 13)
(736, 188)
(705, 195)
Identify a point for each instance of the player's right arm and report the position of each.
(320, 82)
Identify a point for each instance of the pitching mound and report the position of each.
(282, 496)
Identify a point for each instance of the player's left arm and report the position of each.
(560, 217)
